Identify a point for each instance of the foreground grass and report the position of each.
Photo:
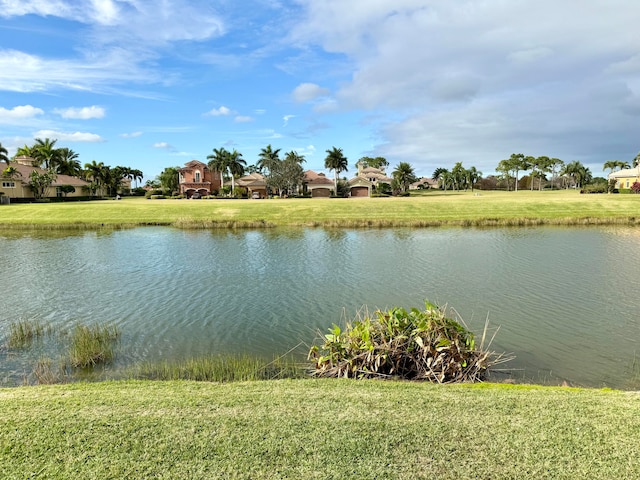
(466, 209)
(317, 429)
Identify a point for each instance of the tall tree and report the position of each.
(267, 158)
(375, 162)
(404, 175)
(136, 175)
(473, 177)
(554, 165)
(459, 175)
(505, 168)
(336, 161)
(235, 165)
(580, 174)
(441, 175)
(219, 161)
(517, 163)
(169, 179)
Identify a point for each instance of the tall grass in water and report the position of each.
(220, 368)
(24, 332)
(92, 345)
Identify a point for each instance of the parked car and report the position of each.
(195, 196)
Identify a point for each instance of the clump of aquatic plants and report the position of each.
(220, 368)
(91, 345)
(412, 345)
(22, 333)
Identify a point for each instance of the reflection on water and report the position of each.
(564, 298)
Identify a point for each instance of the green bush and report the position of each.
(595, 188)
(153, 192)
(411, 345)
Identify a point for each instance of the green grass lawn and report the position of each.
(433, 208)
(328, 429)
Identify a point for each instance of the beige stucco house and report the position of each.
(625, 178)
(317, 184)
(17, 187)
(367, 179)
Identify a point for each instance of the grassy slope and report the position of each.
(317, 429)
(431, 207)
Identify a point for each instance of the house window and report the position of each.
(197, 176)
(8, 184)
(181, 178)
(627, 183)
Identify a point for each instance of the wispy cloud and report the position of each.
(131, 135)
(164, 146)
(69, 136)
(243, 119)
(286, 119)
(83, 113)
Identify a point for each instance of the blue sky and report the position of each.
(151, 84)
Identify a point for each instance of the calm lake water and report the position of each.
(565, 299)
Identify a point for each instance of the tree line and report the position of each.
(283, 173)
(54, 161)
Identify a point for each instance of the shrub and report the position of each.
(635, 188)
(412, 345)
(151, 193)
(595, 188)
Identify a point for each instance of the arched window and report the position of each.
(197, 176)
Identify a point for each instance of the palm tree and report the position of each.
(473, 176)
(68, 163)
(235, 165)
(96, 172)
(136, 175)
(219, 160)
(337, 162)
(578, 172)
(438, 175)
(26, 151)
(554, 163)
(268, 158)
(46, 153)
(404, 175)
(4, 155)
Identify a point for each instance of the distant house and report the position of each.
(424, 184)
(17, 185)
(625, 178)
(255, 183)
(367, 179)
(317, 184)
(197, 177)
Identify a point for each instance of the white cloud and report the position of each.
(219, 112)
(163, 145)
(83, 113)
(131, 135)
(69, 136)
(243, 119)
(473, 80)
(306, 92)
(20, 113)
(148, 21)
(286, 119)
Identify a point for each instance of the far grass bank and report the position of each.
(317, 428)
(425, 210)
